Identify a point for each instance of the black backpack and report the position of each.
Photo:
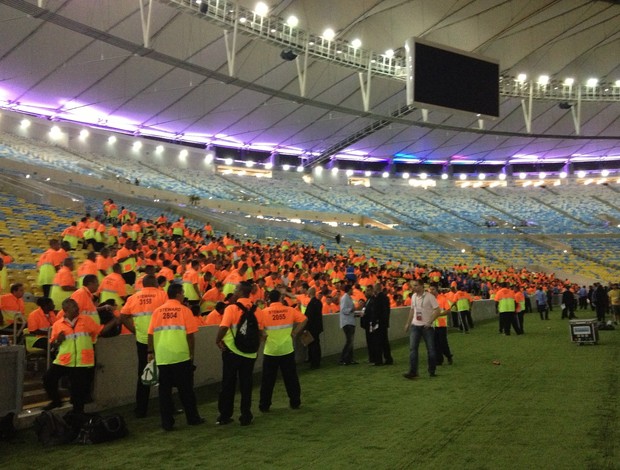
(53, 430)
(102, 429)
(247, 338)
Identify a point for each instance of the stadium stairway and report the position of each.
(560, 211)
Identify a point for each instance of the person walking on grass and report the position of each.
(424, 310)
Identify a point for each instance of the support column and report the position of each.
(576, 113)
(527, 110)
(145, 19)
(365, 87)
(231, 49)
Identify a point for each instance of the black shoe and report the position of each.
(433, 374)
(377, 364)
(410, 376)
(51, 405)
(245, 421)
(450, 361)
(264, 409)
(168, 428)
(196, 422)
(352, 363)
(223, 421)
(388, 363)
(296, 406)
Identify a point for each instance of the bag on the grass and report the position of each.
(100, 429)
(247, 337)
(150, 375)
(52, 430)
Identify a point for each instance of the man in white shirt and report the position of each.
(424, 311)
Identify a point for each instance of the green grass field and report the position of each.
(550, 404)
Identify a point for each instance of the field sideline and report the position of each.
(549, 404)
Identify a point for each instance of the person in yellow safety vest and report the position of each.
(126, 257)
(5, 259)
(191, 280)
(442, 348)
(235, 364)
(64, 282)
(463, 306)
(136, 316)
(520, 299)
(171, 344)
(507, 307)
(74, 336)
(281, 325)
(48, 263)
(114, 287)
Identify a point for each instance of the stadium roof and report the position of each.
(167, 72)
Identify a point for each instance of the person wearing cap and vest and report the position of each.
(171, 344)
(281, 324)
(235, 364)
(507, 307)
(442, 348)
(136, 316)
(74, 335)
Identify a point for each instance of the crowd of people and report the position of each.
(161, 281)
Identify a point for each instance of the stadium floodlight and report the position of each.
(502, 176)
(112, 139)
(605, 173)
(183, 154)
(268, 166)
(406, 175)
(389, 53)
(423, 176)
(300, 169)
(24, 124)
(522, 175)
(543, 80)
(462, 176)
(569, 82)
(55, 132)
(292, 21)
(84, 134)
(335, 170)
(617, 83)
(542, 175)
(208, 158)
(228, 161)
(137, 145)
(328, 34)
(319, 170)
(356, 43)
(249, 163)
(159, 149)
(563, 174)
(444, 176)
(286, 167)
(482, 176)
(592, 82)
(581, 174)
(349, 173)
(521, 78)
(385, 174)
(367, 173)
(261, 9)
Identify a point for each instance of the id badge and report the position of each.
(418, 316)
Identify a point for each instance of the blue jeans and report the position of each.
(416, 333)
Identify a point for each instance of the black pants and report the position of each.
(234, 366)
(287, 365)
(181, 376)
(543, 312)
(46, 291)
(385, 347)
(346, 356)
(442, 348)
(520, 320)
(314, 351)
(464, 322)
(507, 319)
(600, 313)
(142, 391)
(80, 380)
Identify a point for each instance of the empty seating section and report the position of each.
(25, 228)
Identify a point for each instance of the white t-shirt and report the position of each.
(423, 307)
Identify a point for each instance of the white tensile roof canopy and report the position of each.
(167, 69)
